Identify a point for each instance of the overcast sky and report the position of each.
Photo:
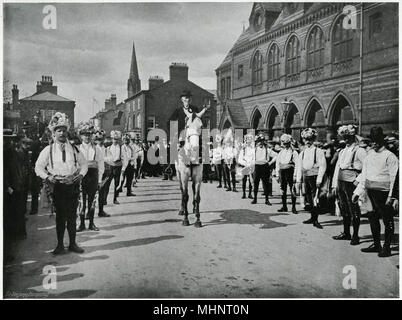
(89, 53)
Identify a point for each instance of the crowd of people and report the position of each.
(72, 173)
(345, 175)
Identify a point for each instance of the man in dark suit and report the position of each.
(38, 127)
(179, 114)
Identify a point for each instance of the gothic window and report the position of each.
(257, 68)
(315, 51)
(293, 57)
(342, 42)
(240, 71)
(273, 63)
(223, 89)
(228, 87)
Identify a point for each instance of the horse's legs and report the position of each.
(184, 197)
(181, 212)
(197, 179)
(194, 200)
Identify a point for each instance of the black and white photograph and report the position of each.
(200, 150)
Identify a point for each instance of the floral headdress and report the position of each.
(86, 128)
(347, 130)
(286, 138)
(115, 134)
(309, 133)
(58, 120)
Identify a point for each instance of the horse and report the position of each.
(188, 165)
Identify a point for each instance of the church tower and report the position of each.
(133, 82)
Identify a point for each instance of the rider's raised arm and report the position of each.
(201, 113)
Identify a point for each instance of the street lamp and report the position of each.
(286, 106)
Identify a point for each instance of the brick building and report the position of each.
(298, 65)
(154, 108)
(112, 117)
(45, 99)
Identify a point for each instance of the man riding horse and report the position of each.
(189, 165)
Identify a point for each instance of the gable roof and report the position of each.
(46, 96)
(235, 111)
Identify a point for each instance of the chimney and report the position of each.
(15, 96)
(154, 82)
(107, 104)
(113, 101)
(178, 71)
(46, 85)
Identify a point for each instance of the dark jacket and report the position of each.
(16, 170)
(180, 116)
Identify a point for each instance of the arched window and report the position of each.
(315, 47)
(273, 63)
(257, 68)
(342, 42)
(293, 57)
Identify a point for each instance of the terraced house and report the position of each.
(315, 65)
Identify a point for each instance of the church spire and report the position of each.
(134, 68)
(133, 83)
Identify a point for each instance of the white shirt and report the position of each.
(114, 153)
(94, 156)
(128, 156)
(262, 155)
(379, 171)
(344, 163)
(306, 164)
(285, 157)
(247, 156)
(43, 165)
(229, 153)
(217, 154)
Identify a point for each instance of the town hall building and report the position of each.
(315, 65)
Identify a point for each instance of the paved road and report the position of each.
(242, 250)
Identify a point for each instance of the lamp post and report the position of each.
(285, 106)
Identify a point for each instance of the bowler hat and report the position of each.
(186, 93)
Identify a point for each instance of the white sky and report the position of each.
(89, 53)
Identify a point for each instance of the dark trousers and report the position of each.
(221, 173)
(310, 186)
(129, 176)
(286, 179)
(381, 210)
(261, 172)
(114, 174)
(89, 188)
(138, 171)
(66, 203)
(104, 190)
(206, 173)
(34, 188)
(244, 184)
(14, 214)
(230, 172)
(350, 211)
